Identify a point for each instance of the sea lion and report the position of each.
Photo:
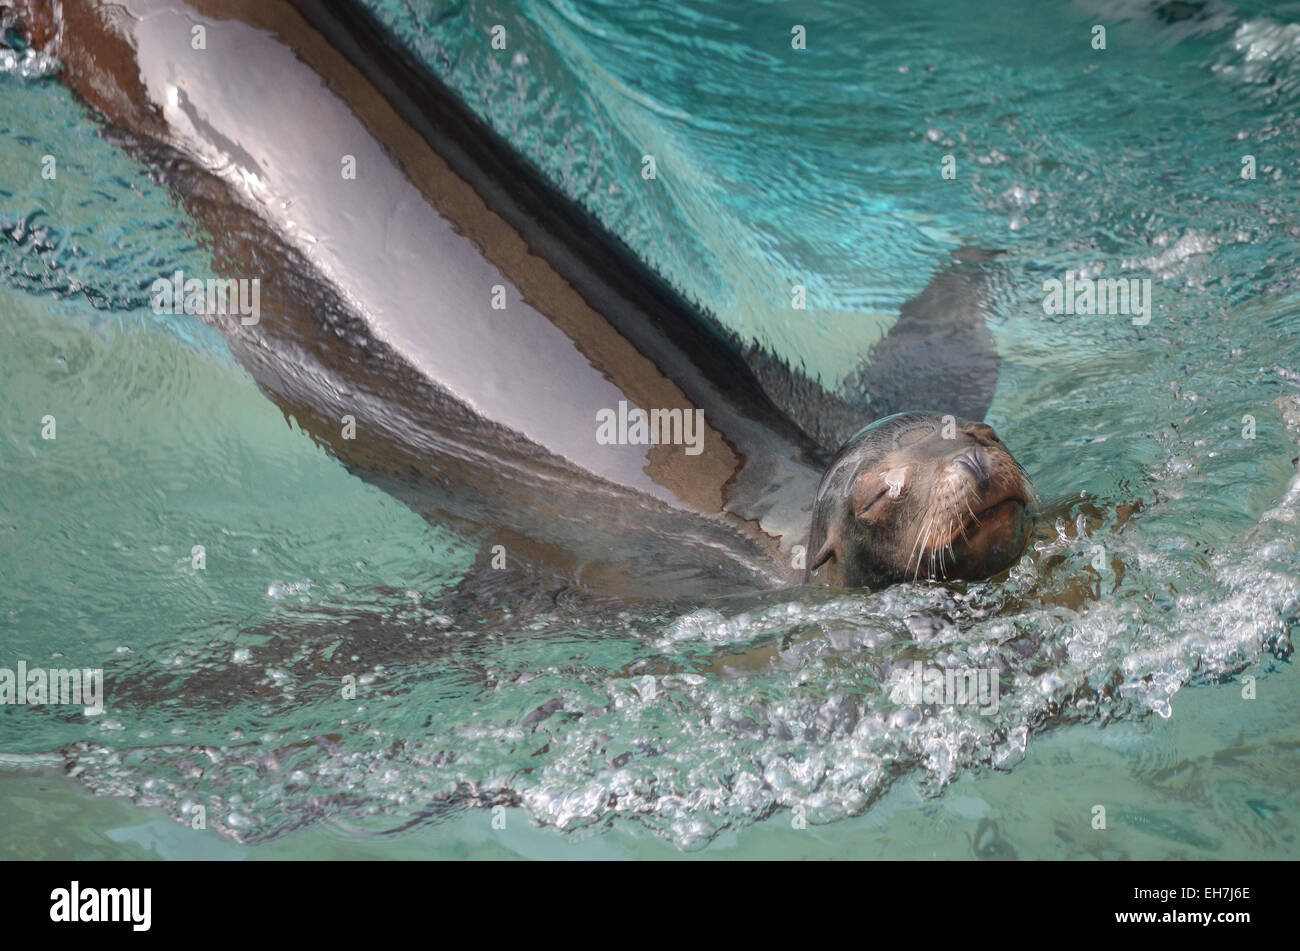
(379, 296)
(917, 495)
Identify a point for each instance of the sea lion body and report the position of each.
(477, 327)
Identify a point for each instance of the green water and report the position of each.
(1201, 784)
(620, 733)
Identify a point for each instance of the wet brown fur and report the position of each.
(918, 495)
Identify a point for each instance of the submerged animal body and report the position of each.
(481, 331)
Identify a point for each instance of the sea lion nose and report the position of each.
(973, 461)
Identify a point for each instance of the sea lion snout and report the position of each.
(974, 462)
(918, 495)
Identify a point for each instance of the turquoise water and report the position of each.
(702, 727)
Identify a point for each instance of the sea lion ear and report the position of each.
(822, 556)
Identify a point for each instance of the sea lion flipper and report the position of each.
(939, 355)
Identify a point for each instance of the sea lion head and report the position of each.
(918, 495)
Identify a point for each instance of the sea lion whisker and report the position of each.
(920, 538)
(930, 534)
(912, 553)
(947, 549)
(942, 551)
(964, 524)
(921, 545)
(934, 524)
(916, 549)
